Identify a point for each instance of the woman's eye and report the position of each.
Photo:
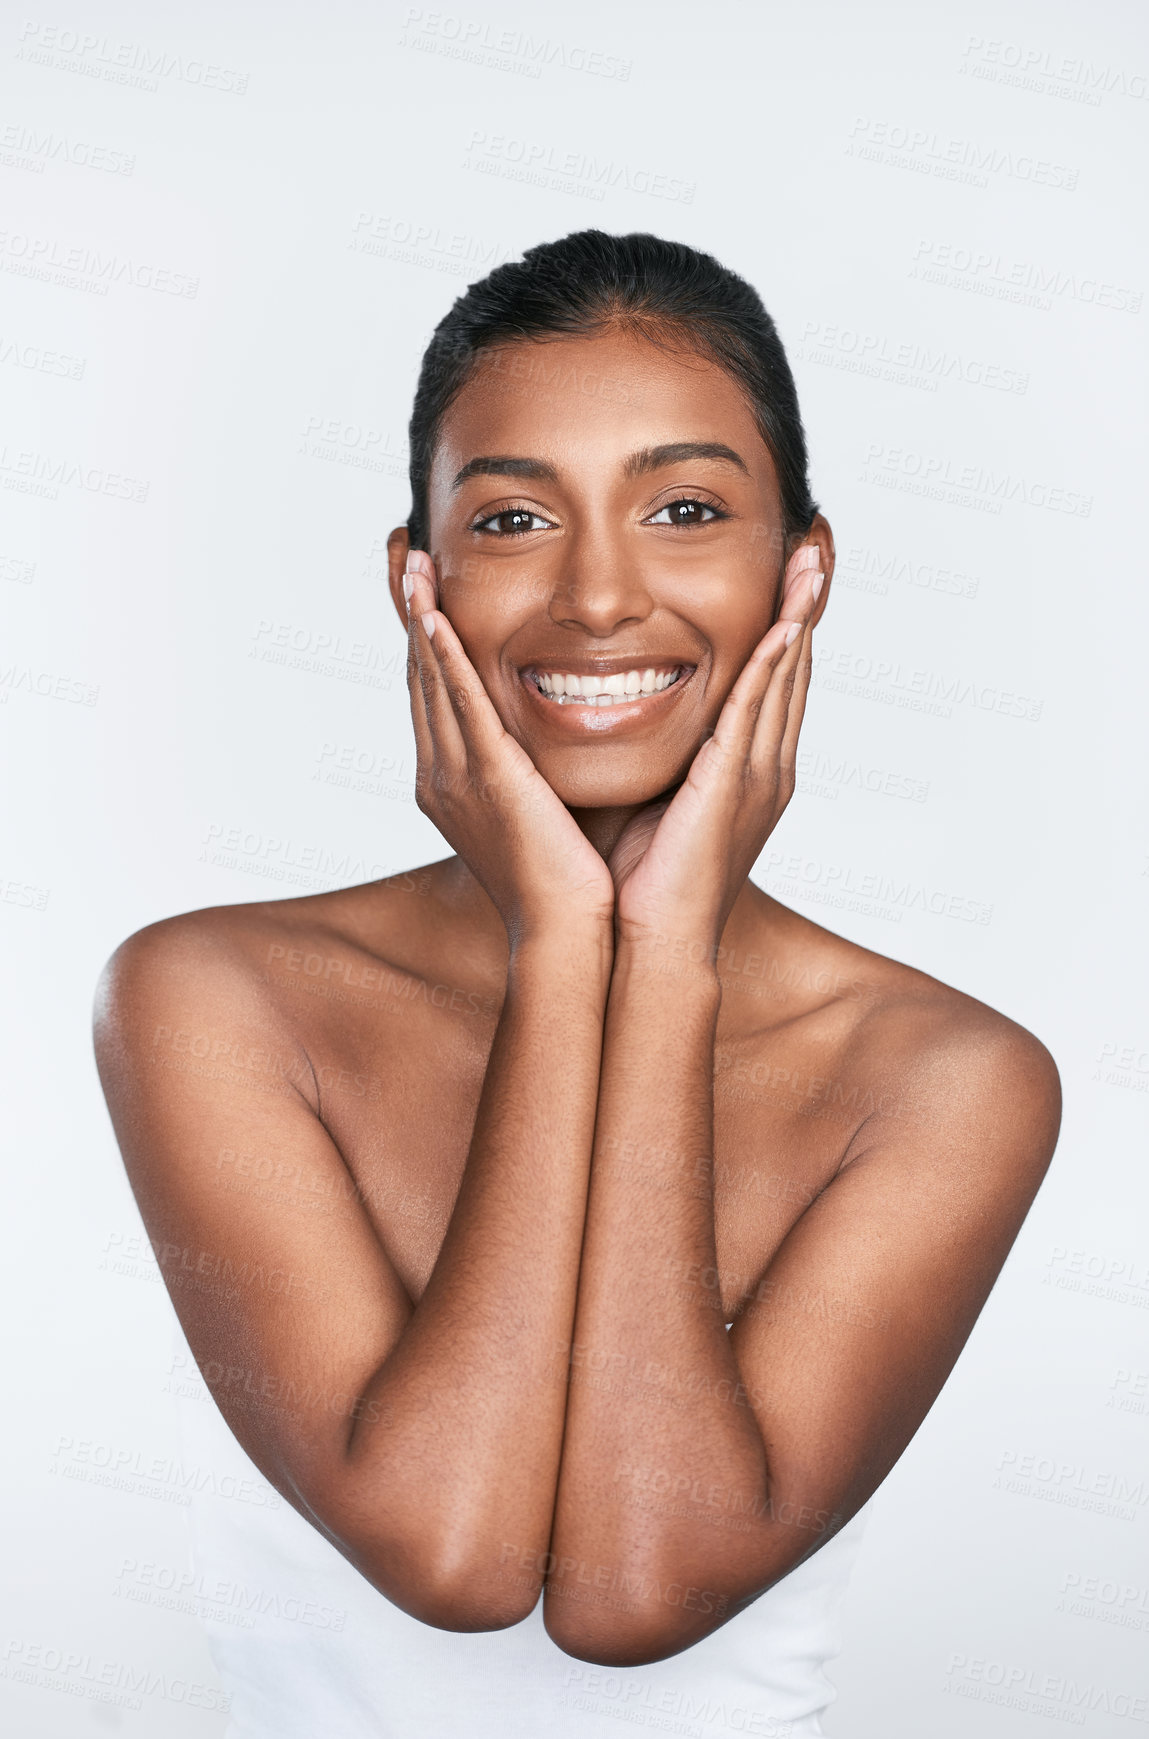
(511, 522)
(685, 512)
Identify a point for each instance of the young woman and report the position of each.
(571, 1234)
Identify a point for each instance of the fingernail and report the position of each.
(819, 582)
(418, 562)
(792, 633)
(428, 622)
(809, 556)
(408, 586)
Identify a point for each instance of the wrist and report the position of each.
(562, 950)
(688, 962)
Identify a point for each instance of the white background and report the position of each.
(946, 219)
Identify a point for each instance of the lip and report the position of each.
(583, 719)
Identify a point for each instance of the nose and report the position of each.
(599, 589)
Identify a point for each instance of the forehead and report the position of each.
(590, 400)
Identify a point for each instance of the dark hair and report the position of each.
(589, 281)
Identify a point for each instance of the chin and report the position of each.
(593, 790)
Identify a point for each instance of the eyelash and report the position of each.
(481, 525)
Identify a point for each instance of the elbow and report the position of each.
(474, 1604)
(432, 1571)
(633, 1633)
(477, 1596)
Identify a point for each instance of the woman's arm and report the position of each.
(699, 1466)
(423, 1441)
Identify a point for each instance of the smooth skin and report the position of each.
(518, 1133)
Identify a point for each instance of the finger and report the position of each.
(459, 709)
(440, 733)
(797, 582)
(777, 702)
(738, 720)
(415, 680)
(788, 754)
(443, 724)
(475, 719)
(802, 582)
(803, 586)
(424, 742)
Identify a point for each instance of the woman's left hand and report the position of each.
(679, 865)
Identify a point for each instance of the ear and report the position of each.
(821, 534)
(397, 546)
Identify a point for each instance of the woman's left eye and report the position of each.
(688, 511)
(511, 522)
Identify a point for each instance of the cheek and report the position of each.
(479, 611)
(737, 619)
(484, 595)
(468, 580)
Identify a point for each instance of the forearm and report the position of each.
(662, 1447)
(461, 1428)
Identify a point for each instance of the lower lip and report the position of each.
(594, 720)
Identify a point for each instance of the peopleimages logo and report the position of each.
(941, 478)
(413, 243)
(982, 272)
(870, 570)
(890, 683)
(1031, 1691)
(81, 268)
(1067, 76)
(24, 147)
(901, 362)
(849, 886)
(457, 38)
(123, 63)
(926, 152)
(573, 172)
(115, 1684)
(44, 474)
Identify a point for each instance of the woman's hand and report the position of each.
(679, 865)
(483, 792)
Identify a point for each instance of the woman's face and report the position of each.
(604, 510)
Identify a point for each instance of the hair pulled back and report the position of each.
(589, 282)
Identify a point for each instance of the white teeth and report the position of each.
(621, 686)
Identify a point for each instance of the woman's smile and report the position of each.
(604, 694)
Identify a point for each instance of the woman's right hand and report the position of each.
(484, 793)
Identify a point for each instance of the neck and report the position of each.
(604, 827)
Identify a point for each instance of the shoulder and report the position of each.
(221, 969)
(194, 951)
(224, 947)
(934, 1065)
(960, 1073)
(207, 972)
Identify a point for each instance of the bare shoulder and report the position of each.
(935, 1069)
(959, 1070)
(208, 974)
(217, 950)
(227, 944)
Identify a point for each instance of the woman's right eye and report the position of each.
(511, 522)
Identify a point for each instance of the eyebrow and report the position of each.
(637, 465)
(675, 452)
